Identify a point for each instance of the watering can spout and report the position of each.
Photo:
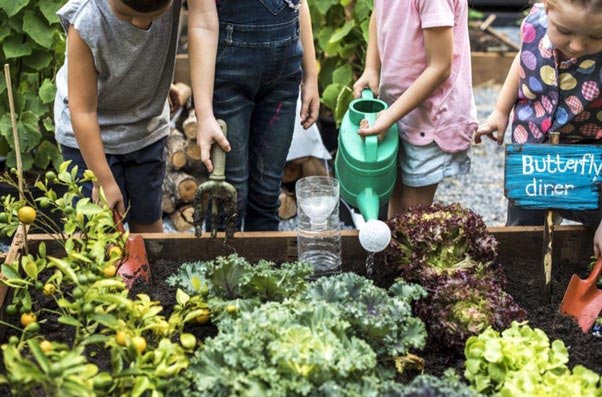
(368, 203)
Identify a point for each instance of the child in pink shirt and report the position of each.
(418, 61)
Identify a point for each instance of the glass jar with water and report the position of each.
(318, 229)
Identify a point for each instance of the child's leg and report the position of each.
(144, 171)
(270, 140)
(405, 197)
(422, 168)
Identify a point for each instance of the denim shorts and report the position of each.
(139, 175)
(428, 165)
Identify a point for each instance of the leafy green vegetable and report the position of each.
(521, 362)
(437, 240)
(384, 319)
(466, 304)
(285, 350)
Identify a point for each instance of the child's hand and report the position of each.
(209, 132)
(112, 194)
(174, 98)
(310, 103)
(598, 241)
(368, 79)
(497, 122)
(380, 126)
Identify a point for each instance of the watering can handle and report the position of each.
(218, 156)
(367, 94)
(371, 141)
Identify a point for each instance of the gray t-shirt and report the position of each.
(135, 69)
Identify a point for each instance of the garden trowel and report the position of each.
(582, 299)
(134, 264)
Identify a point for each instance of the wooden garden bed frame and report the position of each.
(570, 242)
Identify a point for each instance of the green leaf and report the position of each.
(330, 95)
(182, 297)
(342, 32)
(142, 384)
(47, 91)
(46, 152)
(48, 8)
(68, 320)
(38, 60)
(108, 320)
(26, 159)
(64, 267)
(10, 273)
(343, 100)
(343, 75)
(29, 131)
(4, 31)
(12, 7)
(38, 29)
(16, 47)
(41, 358)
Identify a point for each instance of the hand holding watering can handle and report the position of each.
(218, 157)
(370, 141)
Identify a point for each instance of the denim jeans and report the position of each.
(257, 77)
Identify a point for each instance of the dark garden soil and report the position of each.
(524, 283)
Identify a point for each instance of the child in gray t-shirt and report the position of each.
(111, 110)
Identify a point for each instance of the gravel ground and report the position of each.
(483, 189)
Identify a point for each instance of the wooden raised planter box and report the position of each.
(572, 243)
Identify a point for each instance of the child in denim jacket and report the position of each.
(248, 58)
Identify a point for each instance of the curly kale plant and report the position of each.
(233, 278)
(521, 362)
(281, 350)
(437, 240)
(466, 304)
(384, 319)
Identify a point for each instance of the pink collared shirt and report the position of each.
(449, 116)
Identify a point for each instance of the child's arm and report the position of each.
(83, 102)
(371, 76)
(439, 44)
(310, 97)
(203, 34)
(499, 118)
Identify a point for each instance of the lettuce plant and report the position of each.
(467, 304)
(522, 362)
(281, 350)
(382, 318)
(437, 240)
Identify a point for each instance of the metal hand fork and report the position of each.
(218, 192)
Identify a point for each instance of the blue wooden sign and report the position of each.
(561, 177)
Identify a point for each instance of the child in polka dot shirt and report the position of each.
(554, 85)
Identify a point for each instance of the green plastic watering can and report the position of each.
(366, 168)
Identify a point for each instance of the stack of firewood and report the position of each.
(185, 172)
